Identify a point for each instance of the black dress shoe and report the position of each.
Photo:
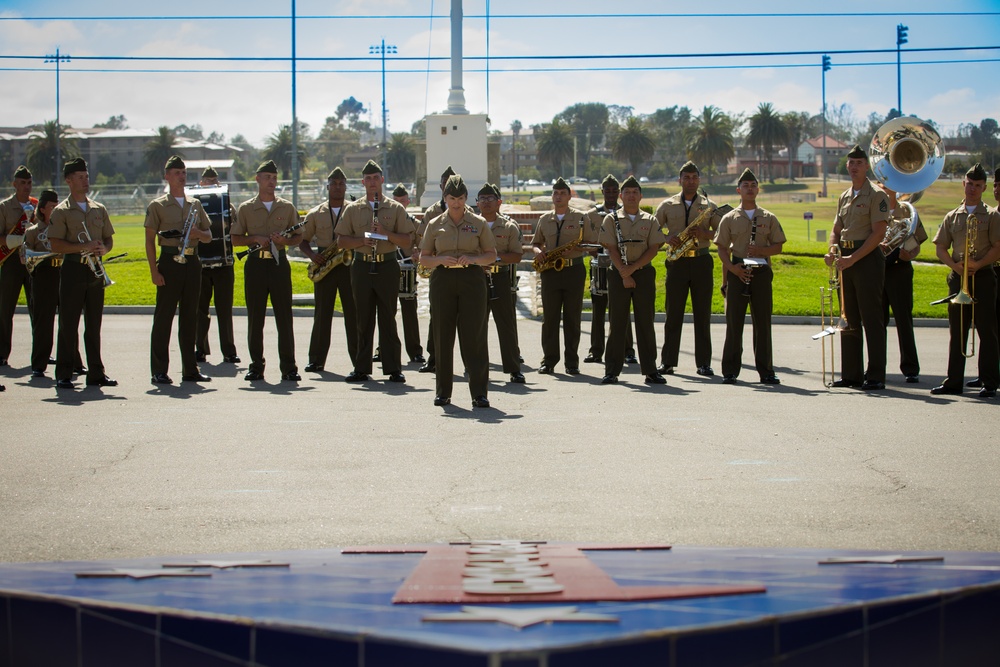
(842, 384)
(912, 379)
(609, 379)
(80, 370)
(37, 374)
(103, 381)
(197, 377)
(397, 377)
(987, 393)
(517, 377)
(520, 359)
(377, 357)
(947, 390)
(441, 401)
(630, 359)
(161, 378)
(231, 359)
(573, 371)
(872, 385)
(357, 377)
(654, 378)
(706, 371)
(254, 376)
(417, 359)
(770, 379)
(3, 388)
(592, 359)
(3, 362)
(663, 369)
(480, 402)
(975, 384)
(200, 357)
(545, 370)
(291, 377)
(729, 379)
(64, 384)
(426, 368)
(313, 367)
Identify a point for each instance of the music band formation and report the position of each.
(370, 252)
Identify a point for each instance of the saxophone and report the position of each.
(554, 259)
(687, 237)
(333, 257)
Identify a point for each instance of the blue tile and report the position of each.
(203, 637)
(117, 638)
(726, 647)
(905, 633)
(650, 653)
(971, 623)
(378, 654)
(42, 633)
(279, 648)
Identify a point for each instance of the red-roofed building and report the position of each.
(810, 154)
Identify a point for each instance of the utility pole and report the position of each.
(57, 58)
(382, 49)
(901, 31)
(295, 125)
(826, 68)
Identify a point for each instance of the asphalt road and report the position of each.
(139, 470)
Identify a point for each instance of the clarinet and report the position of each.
(753, 242)
(622, 248)
(372, 266)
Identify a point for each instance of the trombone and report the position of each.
(964, 297)
(827, 324)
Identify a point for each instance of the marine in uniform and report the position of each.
(375, 272)
(632, 237)
(179, 223)
(562, 291)
(218, 283)
(509, 245)
(953, 234)
(977, 383)
(81, 230)
(408, 307)
(691, 273)
(610, 189)
(862, 215)
(456, 245)
(17, 212)
(749, 231)
(431, 212)
(898, 292)
(265, 221)
(320, 223)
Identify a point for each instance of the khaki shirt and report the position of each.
(68, 221)
(596, 217)
(320, 223)
(31, 234)
(953, 230)
(857, 214)
(445, 238)
(356, 219)
(11, 212)
(735, 229)
(431, 212)
(674, 216)
(164, 214)
(507, 234)
(253, 218)
(549, 234)
(643, 233)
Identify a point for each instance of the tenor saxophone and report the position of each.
(333, 257)
(554, 259)
(688, 238)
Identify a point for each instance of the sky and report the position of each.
(531, 75)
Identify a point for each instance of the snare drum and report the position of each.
(407, 281)
(599, 274)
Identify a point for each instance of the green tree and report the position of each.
(796, 129)
(600, 166)
(633, 143)
(279, 149)
(43, 148)
(401, 157)
(350, 109)
(334, 142)
(555, 143)
(189, 132)
(118, 122)
(710, 141)
(766, 131)
(159, 149)
(671, 126)
(589, 121)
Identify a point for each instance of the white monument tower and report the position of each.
(455, 138)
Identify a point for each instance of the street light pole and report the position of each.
(382, 49)
(826, 68)
(57, 58)
(295, 124)
(901, 31)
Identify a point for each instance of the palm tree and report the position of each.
(766, 131)
(555, 144)
(43, 148)
(160, 148)
(279, 149)
(711, 139)
(401, 157)
(796, 128)
(633, 143)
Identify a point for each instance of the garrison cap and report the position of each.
(496, 191)
(267, 168)
(73, 166)
(857, 153)
(210, 172)
(560, 184)
(400, 191)
(449, 172)
(174, 162)
(46, 197)
(455, 187)
(630, 182)
(747, 175)
(610, 180)
(371, 167)
(689, 167)
(976, 173)
(336, 174)
(22, 172)
(486, 191)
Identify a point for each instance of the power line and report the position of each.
(560, 17)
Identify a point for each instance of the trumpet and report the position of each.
(333, 257)
(94, 260)
(192, 218)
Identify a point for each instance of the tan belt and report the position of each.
(850, 245)
(55, 261)
(697, 252)
(265, 254)
(373, 258)
(497, 268)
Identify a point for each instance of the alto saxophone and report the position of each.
(554, 259)
(688, 238)
(333, 257)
